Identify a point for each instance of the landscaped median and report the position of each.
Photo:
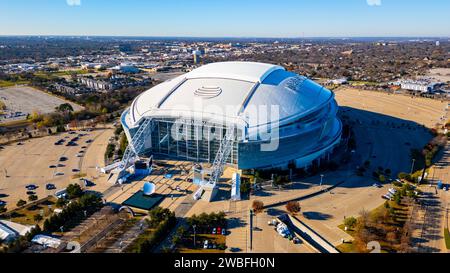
(389, 225)
(447, 238)
(161, 222)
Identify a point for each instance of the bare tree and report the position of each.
(258, 207)
(293, 207)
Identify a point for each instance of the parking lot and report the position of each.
(39, 161)
(24, 100)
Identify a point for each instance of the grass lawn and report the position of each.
(447, 238)
(187, 245)
(347, 248)
(363, 83)
(25, 215)
(52, 75)
(69, 72)
(398, 220)
(4, 84)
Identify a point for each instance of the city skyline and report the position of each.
(248, 19)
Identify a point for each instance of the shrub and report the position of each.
(21, 203)
(350, 222)
(32, 197)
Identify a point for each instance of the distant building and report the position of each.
(197, 54)
(127, 68)
(422, 85)
(337, 81)
(10, 230)
(98, 85)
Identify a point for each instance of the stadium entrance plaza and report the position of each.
(386, 128)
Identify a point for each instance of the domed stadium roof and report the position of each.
(230, 90)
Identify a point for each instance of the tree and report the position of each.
(293, 207)
(258, 207)
(61, 202)
(64, 108)
(21, 203)
(74, 191)
(245, 186)
(37, 218)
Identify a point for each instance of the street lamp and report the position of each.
(321, 179)
(412, 167)
(194, 226)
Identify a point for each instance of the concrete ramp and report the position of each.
(308, 234)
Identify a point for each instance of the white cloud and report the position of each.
(374, 2)
(73, 2)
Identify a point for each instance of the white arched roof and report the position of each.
(231, 89)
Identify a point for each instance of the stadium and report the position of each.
(249, 115)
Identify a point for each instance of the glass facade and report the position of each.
(189, 140)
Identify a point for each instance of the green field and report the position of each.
(4, 84)
(54, 75)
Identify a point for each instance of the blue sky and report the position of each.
(231, 18)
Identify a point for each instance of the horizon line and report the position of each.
(227, 37)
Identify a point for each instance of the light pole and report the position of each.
(194, 226)
(321, 180)
(412, 166)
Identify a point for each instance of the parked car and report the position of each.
(393, 191)
(50, 187)
(31, 193)
(219, 230)
(214, 231)
(2, 203)
(59, 174)
(87, 183)
(89, 141)
(224, 231)
(63, 158)
(60, 165)
(52, 166)
(386, 197)
(377, 185)
(205, 244)
(296, 240)
(31, 187)
(75, 170)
